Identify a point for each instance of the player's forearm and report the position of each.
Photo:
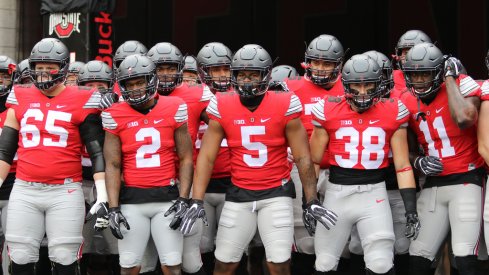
(308, 177)
(4, 169)
(202, 176)
(185, 175)
(405, 178)
(463, 113)
(113, 184)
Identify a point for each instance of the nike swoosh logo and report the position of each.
(71, 191)
(379, 201)
(373, 121)
(439, 110)
(158, 121)
(60, 106)
(265, 120)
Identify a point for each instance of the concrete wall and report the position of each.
(9, 28)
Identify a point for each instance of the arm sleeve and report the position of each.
(92, 134)
(9, 142)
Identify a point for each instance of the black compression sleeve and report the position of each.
(92, 134)
(9, 141)
(409, 198)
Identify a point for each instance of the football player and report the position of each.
(323, 63)
(7, 76)
(190, 73)
(47, 124)
(144, 135)
(359, 129)
(401, 245)
(280, 74)
(169, 66)
(22, 73)
(73, 70)
(214, 62)
(406, 42)
(443, 105)
(257, 124)
(99, 247)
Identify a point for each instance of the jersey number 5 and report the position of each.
(246, 133)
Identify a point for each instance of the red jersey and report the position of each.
(399, 80)
(360, 140)
(3, 117)
(49, 137)
(197, 98)
(309, 94)
(221, 165)
(439, 134)
(148, 144)
(256, 140)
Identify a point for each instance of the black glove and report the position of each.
(195, 211)
(115, 220)
(102, 215)
(453, 67)
(412, 226)
(313, 211)
(429, 165)
(180, 206)
(107, 99)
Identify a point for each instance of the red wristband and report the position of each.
(405, 169)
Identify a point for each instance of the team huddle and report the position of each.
(206, 165)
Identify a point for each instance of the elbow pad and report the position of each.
(9, 142)
(92, 134)
(95, 150)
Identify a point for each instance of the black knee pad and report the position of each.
(467, 265)
(200, 272)
(302, 264)
(59, 269)
(357, 264)
(419, 266)
(22, 269)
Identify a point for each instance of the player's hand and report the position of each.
(195, 211)
(179, 207)
(412, 226)
(429, 165)
(102, 215)
(115, 220)
(453, 67)
(107, 99)
(313, 211)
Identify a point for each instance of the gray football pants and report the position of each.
(303, 242)
(367, 207)
(37, 208)
(401, 245)
(454, 207)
